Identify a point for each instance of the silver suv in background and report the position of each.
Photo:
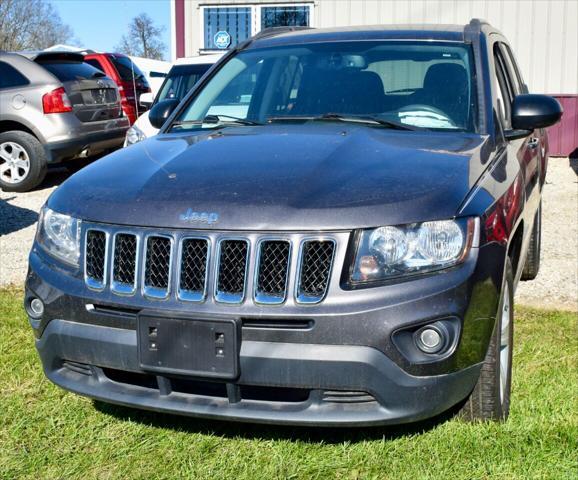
(53, 107)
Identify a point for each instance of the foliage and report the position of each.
(143, 39)
(31, 25)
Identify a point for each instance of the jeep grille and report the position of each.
(189, 268)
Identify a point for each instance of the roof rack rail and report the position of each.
(272, 31)
(478, 22)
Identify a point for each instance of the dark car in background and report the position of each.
(328, 230)
(131, 82)
(53, 107)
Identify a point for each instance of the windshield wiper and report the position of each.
(228, 119)
(215, 121)
(344, 118)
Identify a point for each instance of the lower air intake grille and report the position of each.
(158, 256)
(232, 270)
(95, 253)
(273, 265)
(316, 260)
(193, 266)
(124, 268)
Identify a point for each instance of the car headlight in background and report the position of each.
(394, 251)
(59, 235)
(134, 135)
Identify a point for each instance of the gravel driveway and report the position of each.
(556, 286)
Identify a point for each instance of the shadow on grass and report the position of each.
(253, 431)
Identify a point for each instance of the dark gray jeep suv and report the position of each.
(328, 230)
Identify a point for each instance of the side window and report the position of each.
(95, 63)
(504, 89)
(10, 77)
(515, 71)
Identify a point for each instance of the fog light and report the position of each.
(36, 307)
(429, 339)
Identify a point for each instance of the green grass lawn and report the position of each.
(46, 433)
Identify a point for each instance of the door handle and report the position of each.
(533, 142)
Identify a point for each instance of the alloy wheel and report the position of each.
(14, 163)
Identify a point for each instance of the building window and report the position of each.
(294, 16)
(226, 27)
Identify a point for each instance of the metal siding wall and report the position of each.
(543, 33)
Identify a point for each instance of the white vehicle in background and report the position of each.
(180, 79)
(155, 71)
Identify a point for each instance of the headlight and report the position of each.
(134, 135)
(394, 251)
(59, 235)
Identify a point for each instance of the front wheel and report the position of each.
(23, 162)
(490, 399)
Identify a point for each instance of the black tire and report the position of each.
(532, 263)
(486, 401)
(37, 160)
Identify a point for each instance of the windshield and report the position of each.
(425, 85)
(180, 80)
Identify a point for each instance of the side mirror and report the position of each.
(535, 111)
(146, 100)
(161, 111)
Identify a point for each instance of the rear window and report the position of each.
(69, 71)
(126, 68)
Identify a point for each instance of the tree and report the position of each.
(143, 39)
(31, 25)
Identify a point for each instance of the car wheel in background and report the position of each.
(490, 399)
(532, 265)
(22, 161)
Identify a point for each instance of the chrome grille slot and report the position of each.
(124, 263)
(157, 272)
(193, 269)
(94, 261)
(315, 268)
(232, 271)
(272, 271)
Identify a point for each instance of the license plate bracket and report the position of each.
(189, 346)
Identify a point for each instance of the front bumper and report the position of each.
(331, 379)
(341, 367)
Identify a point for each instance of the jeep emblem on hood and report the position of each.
(199, 217)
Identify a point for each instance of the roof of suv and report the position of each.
(298, 35)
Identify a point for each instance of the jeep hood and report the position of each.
(314, 176)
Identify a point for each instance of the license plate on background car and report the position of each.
(189, 346)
